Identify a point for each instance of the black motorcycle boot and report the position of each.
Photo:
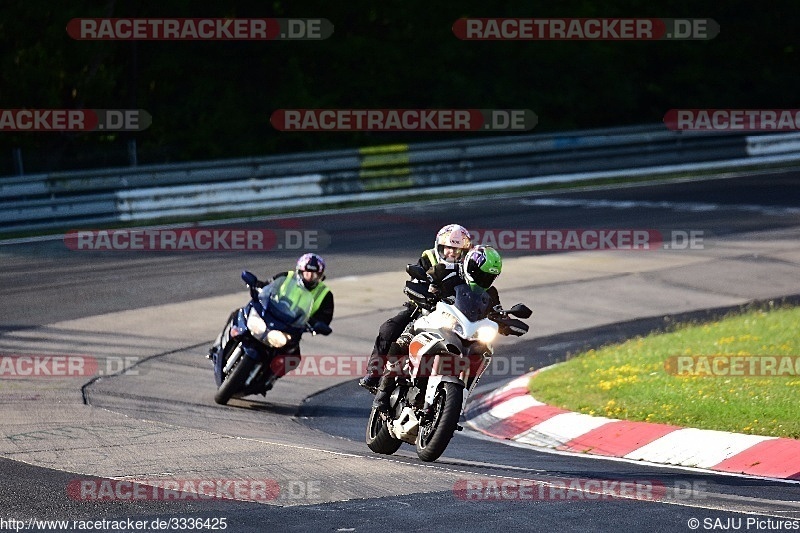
(370, 382)
(385, 388)
(377, 363)
(374, 369)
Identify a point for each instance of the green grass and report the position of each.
(635, 381)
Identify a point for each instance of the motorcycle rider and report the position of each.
(310, 272)
(451, 243)
(481, 266)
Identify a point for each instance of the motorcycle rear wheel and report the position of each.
(379, 439)
(435, 435)
(235, 380)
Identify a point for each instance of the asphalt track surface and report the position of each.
(43, 283)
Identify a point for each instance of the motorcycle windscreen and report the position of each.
(474, 304)
(291, 303)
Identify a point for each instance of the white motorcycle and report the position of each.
(450, 350)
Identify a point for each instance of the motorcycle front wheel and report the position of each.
(235, 380)
(379, 439)
(435, 435)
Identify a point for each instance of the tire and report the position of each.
(235, 381)
(379, 439)
(434, 436)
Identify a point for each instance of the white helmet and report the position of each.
(452, 236)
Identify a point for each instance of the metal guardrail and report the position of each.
(73, 199)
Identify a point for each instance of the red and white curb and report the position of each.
(510, 412)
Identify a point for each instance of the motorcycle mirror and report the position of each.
(417, 272)
(520, 310)
(249, 278)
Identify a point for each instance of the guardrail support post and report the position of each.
(132, 155)
(17, 156)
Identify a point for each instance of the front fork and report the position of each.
(242, 350)
(435, 380)
(433, 388)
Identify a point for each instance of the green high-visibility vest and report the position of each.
(318, 293)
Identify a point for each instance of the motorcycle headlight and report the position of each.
(486, 334)
(256, 324)
(277, 339)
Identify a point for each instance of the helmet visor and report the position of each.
(451, 254)
(310, 278)
(484, 279)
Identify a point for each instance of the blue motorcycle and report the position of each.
(269, 326)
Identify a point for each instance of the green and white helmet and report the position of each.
(482, 265)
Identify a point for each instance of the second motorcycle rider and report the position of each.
(451, 245)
